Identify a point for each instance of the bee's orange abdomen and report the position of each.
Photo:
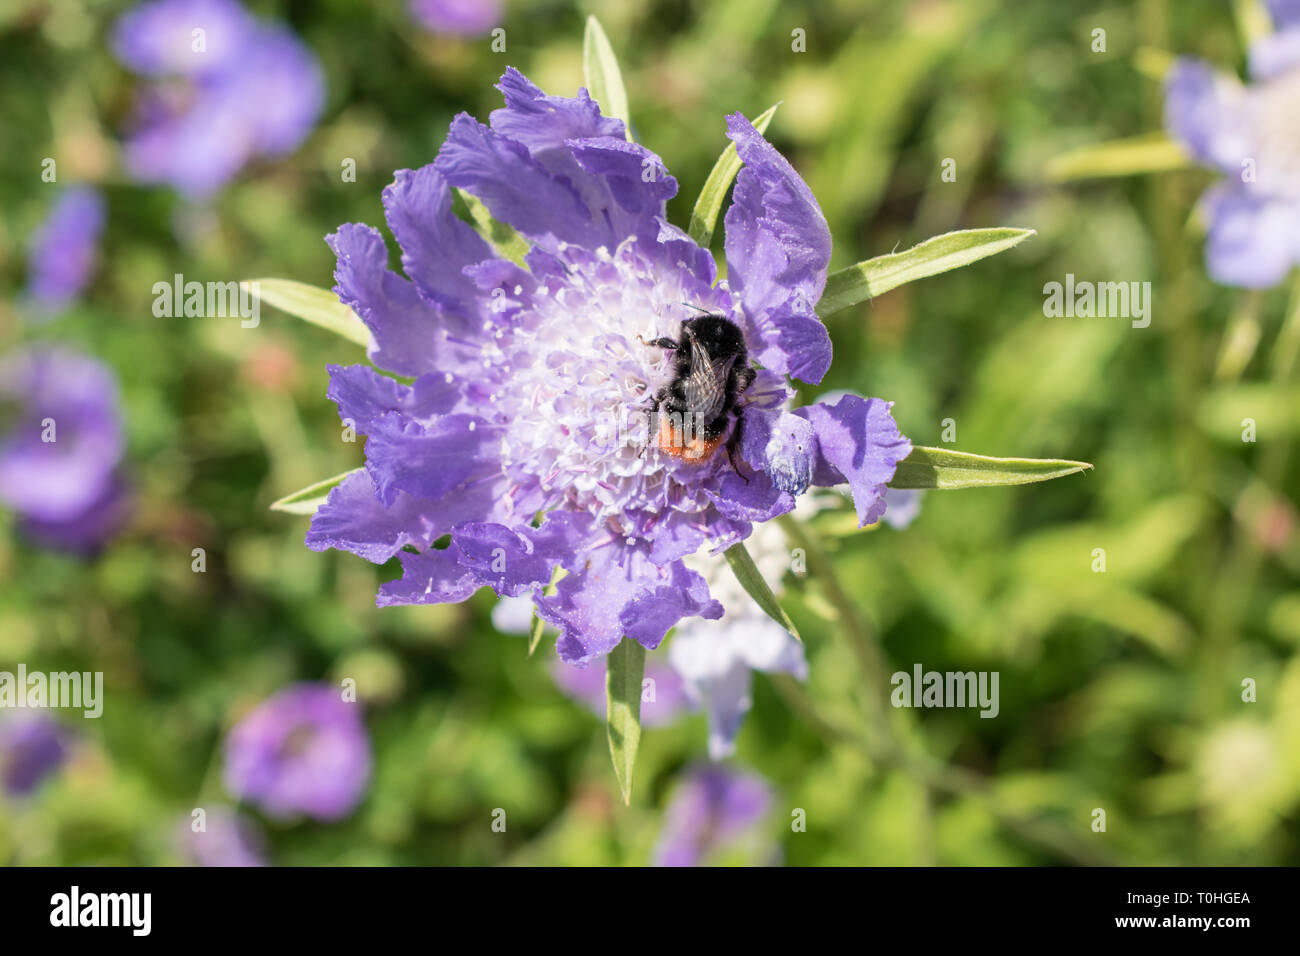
(673, 442)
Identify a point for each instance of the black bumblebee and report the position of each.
(711, 371)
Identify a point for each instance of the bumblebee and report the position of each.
(711, 371)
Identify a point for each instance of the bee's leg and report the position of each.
(652, 421)
(733, 443)
(745, 377)
(663, 342)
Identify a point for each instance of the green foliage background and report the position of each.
(1119, 690)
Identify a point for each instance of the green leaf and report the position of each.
(535, 634)
(1150, 153)
(317, 306)
(747, 573)
(1153, 63)
(952, 250)
(603, 79)
(709, 203)
(941, 468)
(1250, 410)
(502, 238)
(625, 668)
(306, 501)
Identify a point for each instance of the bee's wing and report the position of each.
(706, 385)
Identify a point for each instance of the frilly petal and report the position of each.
(858, 442)
(778, 246)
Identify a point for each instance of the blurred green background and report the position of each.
(1119, 690)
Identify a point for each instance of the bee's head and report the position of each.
(718, 336)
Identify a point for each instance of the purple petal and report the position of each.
(364, 396)
(227, 839)
(715, 660)
(711, 808)
(1285, 13)
(73, 400)
(544, 123)
(1275, 54)
(902, 505)
(354, 519)
(620, 593)
(857, 442)
(32, 747)
(86, 531)
(64, 250)
(1253, 240)
(159, 38)
(429, 460)
(1205, 111)
(636, 180)
(264, 103)
(516, 188)
(483, 555)
(464, 17)
(303, 751)
(436, 244)
(783, 445)
(778, 246)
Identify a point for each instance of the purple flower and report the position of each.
(902, 505)
(63, 252)
(711, 811)
(235, 89)
(303, 751)
(226, 839)
(60, 444)
(1249, 133)
(32, 747)
(466, 17)
(533, 383)
(716, 659)
(662, 701)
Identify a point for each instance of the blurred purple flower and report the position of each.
(528, 380)
(716, 659)
(236, 88)
(514, 615)
(32, 746)
(466, 17)
(713, 808)
(227, 839)
(305, 750)
(1249, 132)
(60, 445)
(667, 695)
(63, 252)
(902, 505)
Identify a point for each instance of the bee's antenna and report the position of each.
(696, 308)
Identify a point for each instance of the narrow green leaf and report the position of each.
(535, 634)
(709, 203)
(603, 78)
(952, 250)
(306, 501)
(1149, 153)
(747, 573)
(503, 238)
(315, 305)
(625, 668)
(942, 468)
(1153, 63)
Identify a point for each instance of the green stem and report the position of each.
(882, 745)
(939, 778)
